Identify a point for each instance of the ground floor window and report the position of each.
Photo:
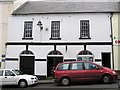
(85, 55)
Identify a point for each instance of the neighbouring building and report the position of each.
(6, 8)
(41, 34)
(116, 40)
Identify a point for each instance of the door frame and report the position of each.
(53, 56)
(27, 55)
(109, 60)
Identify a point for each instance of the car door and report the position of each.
(92, 71)
(77, 71)
(9, 78)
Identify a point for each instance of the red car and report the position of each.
(67, 72)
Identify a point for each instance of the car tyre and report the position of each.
(22, 84)
(65, 81)
(106, 79)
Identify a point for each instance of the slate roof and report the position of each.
(45, 7)
(7, 0)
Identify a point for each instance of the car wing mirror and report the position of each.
(97, 68)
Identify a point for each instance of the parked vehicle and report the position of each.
(67, 72)
(16, 77)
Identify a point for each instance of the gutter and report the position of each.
(112, 40)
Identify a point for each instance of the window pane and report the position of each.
(90, 66)
(28, 29)
(8, 73)
(84, 28)
(77, 66)
(55, 29)
(1, 72)
(63, 67)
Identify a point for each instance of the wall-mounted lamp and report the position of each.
(40, 25)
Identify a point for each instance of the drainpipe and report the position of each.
(112, 40)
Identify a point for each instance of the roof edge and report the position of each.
(19, 7)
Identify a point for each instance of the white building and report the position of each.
(41, 34)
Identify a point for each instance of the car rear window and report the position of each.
(63, 67)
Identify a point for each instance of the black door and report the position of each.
(52, 63)
(27, 64)
(106, 60)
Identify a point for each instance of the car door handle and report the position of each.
(5, 77)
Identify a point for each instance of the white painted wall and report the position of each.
(99, 22)
(41, 68)
(100, 31)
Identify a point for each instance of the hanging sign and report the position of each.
(116, 42)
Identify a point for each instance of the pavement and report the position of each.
(48, 81)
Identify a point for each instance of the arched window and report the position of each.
(85, 52)
(55, 53)
(26, 52)
(85, 55)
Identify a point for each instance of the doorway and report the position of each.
(52, 62)
(106, 60)
(27, 64)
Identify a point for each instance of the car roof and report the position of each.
(77, 61)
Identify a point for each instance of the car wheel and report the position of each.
(22, 83)
(65, 81)
(106, 79)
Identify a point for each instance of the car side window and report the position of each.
(90, 66)
(76, 66)
(1, 72)
(9, 73)
(63, 67)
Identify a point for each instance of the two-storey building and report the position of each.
(42, 34)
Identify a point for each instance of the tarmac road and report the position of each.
(86, 86)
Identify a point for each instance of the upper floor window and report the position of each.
(55, 30)
(84, 29)
(28, 26)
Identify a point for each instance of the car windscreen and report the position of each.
(17, 72)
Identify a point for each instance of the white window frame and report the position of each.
(28, 28)
(55, 29)
(84, 29)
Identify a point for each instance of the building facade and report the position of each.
(116, 40)
(49, 33)
(6, 7)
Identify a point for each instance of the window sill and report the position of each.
(84, 38)
(55, 38)
(27, 38)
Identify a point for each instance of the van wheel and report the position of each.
(65, 81)
(22, 83)
(106, 79)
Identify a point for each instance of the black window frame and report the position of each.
(25, 30)
(84, 27)
(54, 31)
